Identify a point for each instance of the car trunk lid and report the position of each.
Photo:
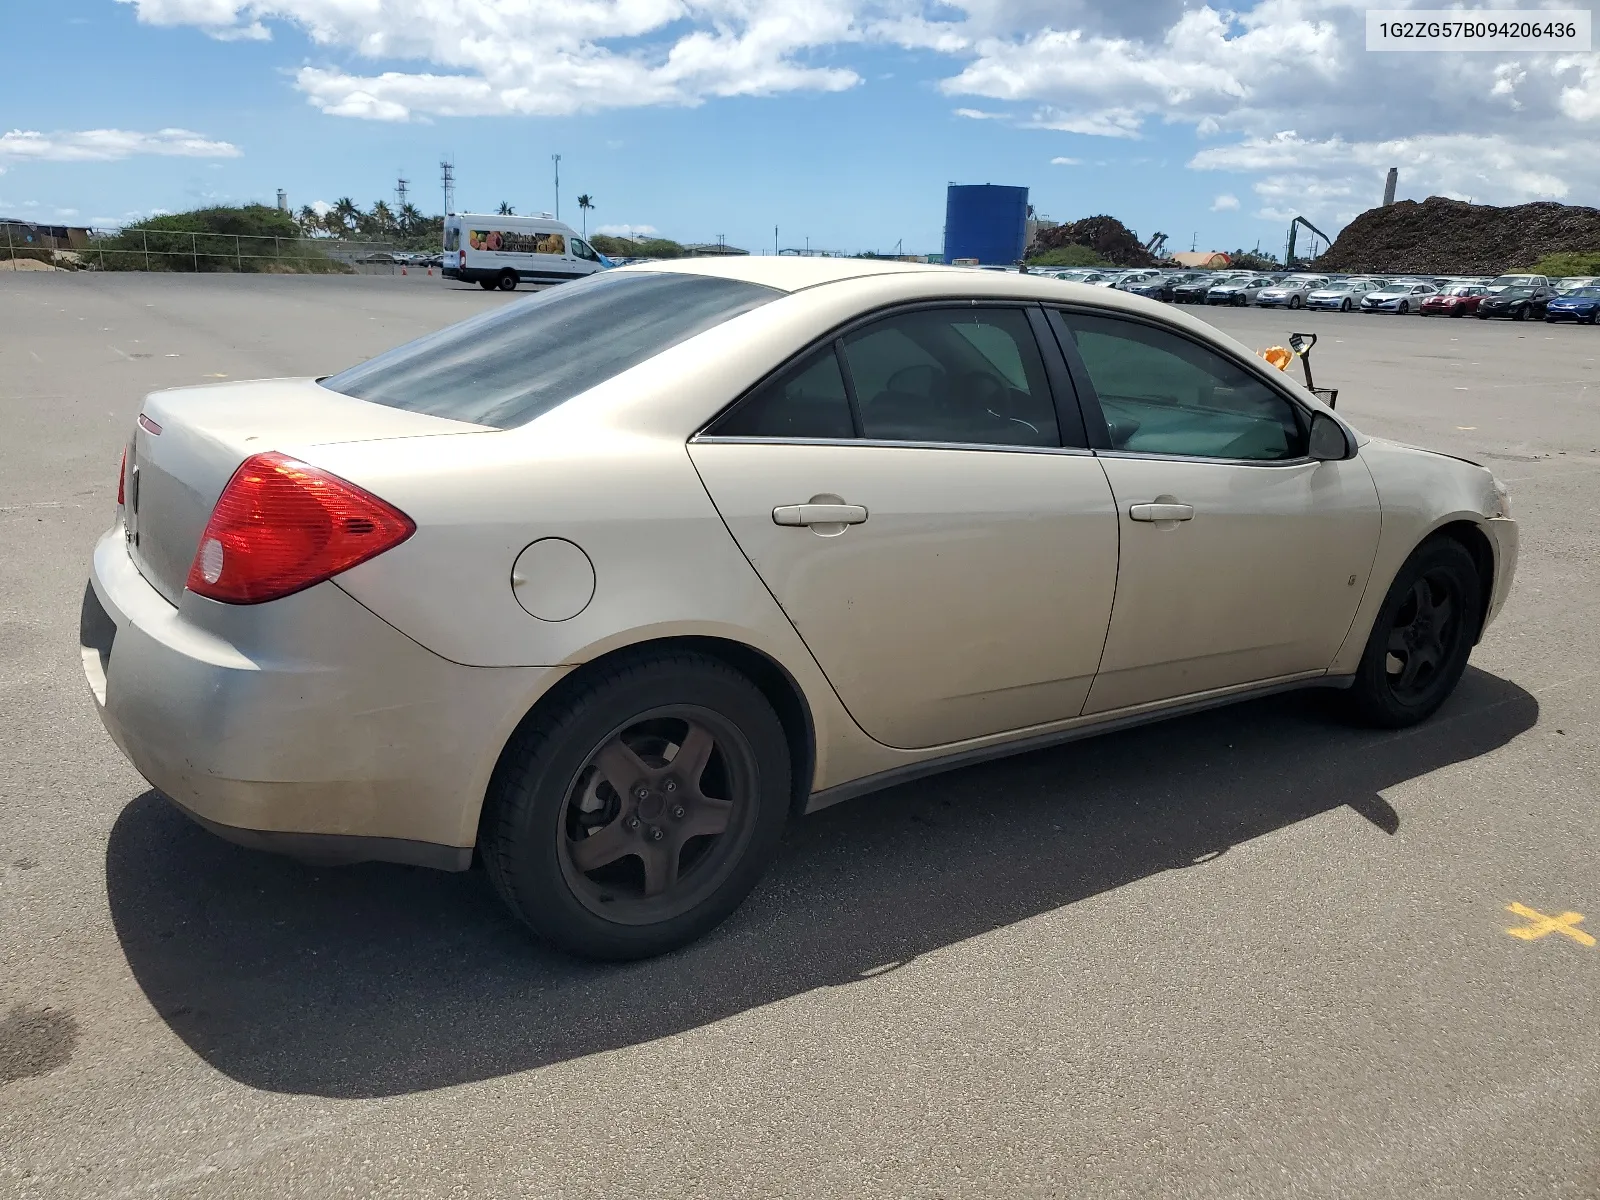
(188, 442)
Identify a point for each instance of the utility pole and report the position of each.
(556, 158)
(775, 249)
(448, 170)
(401, 189)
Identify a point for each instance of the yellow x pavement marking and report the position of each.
(1566, 923)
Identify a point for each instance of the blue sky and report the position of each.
(839, 121)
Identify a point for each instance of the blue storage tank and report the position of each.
(985, 221)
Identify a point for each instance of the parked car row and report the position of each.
(1519, 297)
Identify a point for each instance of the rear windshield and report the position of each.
(506, 367)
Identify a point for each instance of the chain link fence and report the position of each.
(138, 249)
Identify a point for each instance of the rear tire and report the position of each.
(488, 285)
(667, 858)
(1422, 638)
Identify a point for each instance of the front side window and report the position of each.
(1163, 394)
(505, 367)
(963, 375)
(584, 251)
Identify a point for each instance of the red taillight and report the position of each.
(122, 478)
(282, 525)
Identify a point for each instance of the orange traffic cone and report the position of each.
(402, 270)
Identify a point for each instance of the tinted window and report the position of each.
(582, 250)
(1163, 394)
(508, 366)
(966, 375)
(807, 401)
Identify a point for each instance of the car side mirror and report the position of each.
(1328, 441)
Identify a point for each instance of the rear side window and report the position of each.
(506, 367)
(967, 375)
(806, 401)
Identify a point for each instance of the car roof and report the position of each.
(792, 273)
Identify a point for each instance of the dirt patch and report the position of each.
(1439, 237)
(35, 1041)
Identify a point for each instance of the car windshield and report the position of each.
(1469, 290)
(1515, 293)
(1588, 293)
(1510, 281)
(506, 367)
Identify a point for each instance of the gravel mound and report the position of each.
(1107, 236)
(1447, 237)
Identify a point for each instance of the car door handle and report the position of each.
(819, 514)
(1162, 512)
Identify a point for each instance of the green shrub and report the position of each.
(248, 238)
(1557, 265)
(1068, 256)
(620, 247)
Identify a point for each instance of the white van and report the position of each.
(501, 252)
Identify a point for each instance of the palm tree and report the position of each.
(505, 209)
(382, 219)
(345, 212)
(308, 220)
(411, 219)
(585, 203)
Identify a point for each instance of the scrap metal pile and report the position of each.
(1107, 236)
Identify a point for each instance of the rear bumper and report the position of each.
(306, 725)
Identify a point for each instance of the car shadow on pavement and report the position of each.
(377, 980)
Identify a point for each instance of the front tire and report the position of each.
(1344, 306)
(1295, 302)
(1405, 307)
(507, 281)
(1521, 313)
(602, 838)
(1421, 639)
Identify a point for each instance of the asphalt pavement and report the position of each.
(1256, 952)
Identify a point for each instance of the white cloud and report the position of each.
(627, 230)
(106, 145)
(321, 207)
(490, 57)
(1225, 203)
(1066, 162)
(978, 114)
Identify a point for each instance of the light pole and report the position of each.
(556, 158)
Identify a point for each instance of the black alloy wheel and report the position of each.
(1422, 637)
(637, 812)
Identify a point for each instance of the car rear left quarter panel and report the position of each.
(306, 715)
(1420, 493)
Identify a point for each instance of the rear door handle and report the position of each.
(1162, 512)
(819, 514)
